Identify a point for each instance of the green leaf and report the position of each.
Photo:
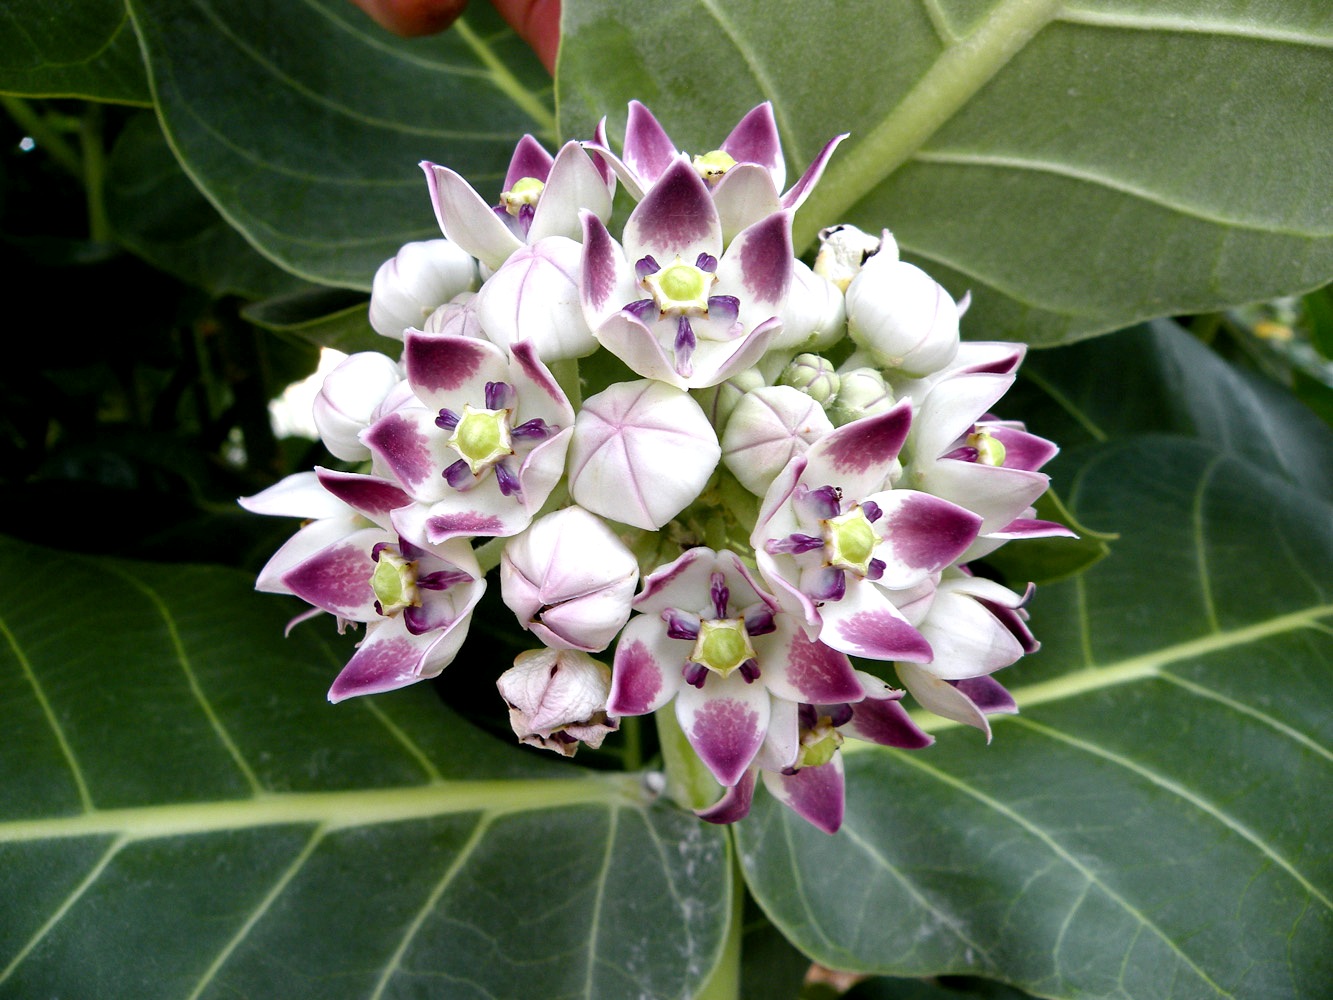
(1078, 166)
(159, 214)
(329, 317)
(71, 48)
(311, 147)
(185, 816)
(1151, 825)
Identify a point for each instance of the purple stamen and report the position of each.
(830, 585)
(875, 570)
(964, 454)
(706, 262)
(720, 594)
(839, 715)
(724, 308)
(535, 429)
(499, 395)
(871, 510)
(684, 347)
(645, 266)
(409, 551)
(378, 548)
(694, 674)
(509, 484)
(807, 716)
(820, 504)
(759, 620)
(525, 216)
(643, 310)
(750, 670)
(681, 624)
(447, 419)
(458, 475)
(793, 544)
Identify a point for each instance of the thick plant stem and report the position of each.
(689, 784)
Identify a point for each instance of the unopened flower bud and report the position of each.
(413, 284)
(569, 580)
(862, 392)
(534, 296)
(719, 400)
(902, 317)
(349, 401)
(456, 318)
(813, 314)
(844, 249)
(813, 375)
(768, 427)
(557, 699)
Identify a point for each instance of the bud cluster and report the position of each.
(679, 442)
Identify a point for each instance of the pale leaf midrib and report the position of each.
(334, 810)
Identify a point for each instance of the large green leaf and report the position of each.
(184, 816)
(1153, 823)
(71, 48)
(1077, 165)
(304, 122)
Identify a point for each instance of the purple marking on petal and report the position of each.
(530, 159)
(964, 454)
(822, 675)
(648, 149)
(684, 347)
(816, 795)
(886, 722)
(723, 308)
(406, 451)
(681, 624)
(525, 355)
(929, 533)
(535, 429)
(1015, 621)
(436, 363)
(717, 590)
(881, 636)
(599, 262)
(642, 310)
(459, 474)
(871, 510)
(793, 544)
(988, 694)
(706, 262)
(869, 442)
(645, 266)
(759, 620)
(734, 804)
(375, 668)
(637, 681)
(799, 191)
(766, 258)
(508, 482)
(750, 670)
(335, 578)
(726, 734)
(755, 139)
(694, 673)
(875, 570)
(447, 420)
(440, 526)
(677, 213)
(818, 505)
(830, 584)
(499, 395)
(367, 494)
(443, 579)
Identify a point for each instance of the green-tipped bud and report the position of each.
(813, 375)
(862, 392)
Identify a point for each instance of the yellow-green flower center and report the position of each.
(394, 583)
(850, 540)
(482, 437)
(989, 450)
(723, 645)
(818, 745)
(680, 289)
(711, 166)
(526, 191)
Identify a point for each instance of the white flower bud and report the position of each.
(902, 316)
(843, 249)
(641, 453)
(719, 400)
(349, 401)
(456, 318)
(813, 375)
(569, 580)
(813, 314)
(534, 296)
(557, 699)
(766, 429)
(412, 285)
(862, 392)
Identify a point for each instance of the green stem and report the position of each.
(632, 738)
(567, 375)
(47, 137)
(689, 783)
(725, 982)
(94, 173)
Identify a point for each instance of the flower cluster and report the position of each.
(800, 462)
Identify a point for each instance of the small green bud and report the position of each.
(813, 375)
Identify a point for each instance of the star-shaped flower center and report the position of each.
(482, 437)
(850, 540)
(722, 646)
(394, 582)
(680, 289)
